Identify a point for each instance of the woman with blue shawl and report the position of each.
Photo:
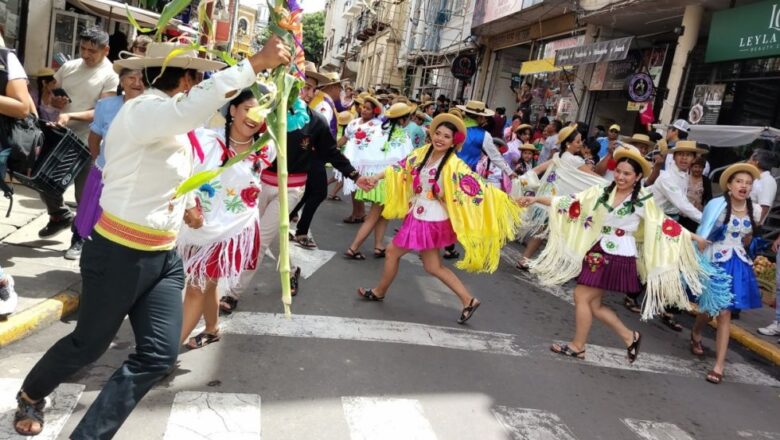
(729, 222)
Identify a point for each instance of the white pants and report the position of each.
(268, 204)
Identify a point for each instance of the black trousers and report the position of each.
(116, 282)
(315, 193)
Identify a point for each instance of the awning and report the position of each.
(115, 11)
(731, 135)
(539, 66)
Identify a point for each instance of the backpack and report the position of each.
(20, 139)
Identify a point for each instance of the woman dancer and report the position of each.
(370, 160)
(730, 221)
(442, 201)
(592, 237)
(343, 119)
(132, 84)
(229, 241)
(362, 133)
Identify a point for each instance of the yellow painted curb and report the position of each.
(40, 315)
(765, 349)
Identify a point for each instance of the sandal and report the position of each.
(294, 281)
(633, 349)
(631, 305)
(369, 295)
(379, 253)
(671, 323)
(294, 218)
(451, 255)
(203, 339)
(305, 242)
(354, 220)
(354, 255)
(697, 349)
(26, 411)
(228, 304)
(468, 311)
(713, 377)
(335, 198)
(565, 350)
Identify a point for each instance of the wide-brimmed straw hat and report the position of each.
(43, 72)
(738, 168)
(639, 138)
(156, 53)
(566, 132)
(528, 147)
(345, 117)
(311, 72)
(330, 79)
(375, 102)
(454, 120)
(476, 108)
(456, 112)
(686, 147)
(522, 127)
(399, 109)
(426, 104)
(634, 154)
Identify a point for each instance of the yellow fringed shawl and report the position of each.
(483, 217)
(666, 259)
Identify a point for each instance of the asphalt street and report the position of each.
(345, 368)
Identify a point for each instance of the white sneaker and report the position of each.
(8, 297)
(772, 329)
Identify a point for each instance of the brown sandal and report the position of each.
(713, 377)
(697, 349)
(203, 339)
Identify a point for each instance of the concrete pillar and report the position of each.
(583, 76)
(685, 44)
(37, 42)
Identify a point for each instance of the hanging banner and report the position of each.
(705, 104)
(611, 50)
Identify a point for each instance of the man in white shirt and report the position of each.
(679, 132)
(85, 80)
(671, 188)
(130, 266)
(765, 188)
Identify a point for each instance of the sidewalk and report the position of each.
(48, 285)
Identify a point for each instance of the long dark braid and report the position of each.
(635, 194)
(637, 185)
(447, 155)
(565, 143)
(753, 222)
(425, 159)
(392, 124)
(728, 208)
(607, 191)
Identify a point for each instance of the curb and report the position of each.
(765, 349)
(24, 323)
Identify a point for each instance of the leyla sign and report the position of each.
(751, 31)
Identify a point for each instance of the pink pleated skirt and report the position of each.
(419, 235)
(615, 273)
(89, 209)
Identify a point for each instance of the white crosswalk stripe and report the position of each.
(381, 418)
(214, 416)
(59, 406)
(650, 430)
(532, 424)
(759, 435)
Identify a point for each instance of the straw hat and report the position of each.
(614, 127)
(45, 71)
(528, 147)
(156, 53)
(311, 72)
(426, 104)
(476, 108)
(566, 132)
(454, 120)
(663, 147)
(737, 168)
(522, 127)
(420, 114)
(686, 147)
(639, 138)
(330, 79)
(375, 102)
(345, 117)
(383, 97)
(399, 109)
(633, 154)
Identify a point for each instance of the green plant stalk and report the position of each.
(284, 213)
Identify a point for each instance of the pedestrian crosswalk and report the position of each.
(234, 416)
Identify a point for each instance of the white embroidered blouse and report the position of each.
(617, 234)
(425, 203)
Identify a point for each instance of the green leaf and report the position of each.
(197, 180)
(204, 20)
(171, 10)
(135, 24)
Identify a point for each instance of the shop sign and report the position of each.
(551, 48)
(486, 11)
(615, 74)
(464, 67)
(705, 103)
(640, 87)
(750, 31)
(611, 50)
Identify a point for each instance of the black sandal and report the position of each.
(228, 304)
(28, 411)
(379, 253)
(565, 350)
(305, 242)
(633, 349)
(294, 281)
(335, 198)
(369, 295)
(203, 339)
(671, 323)
(468, 311)
(354, 220)
(631, 305)
(354, 255)
(451, 255)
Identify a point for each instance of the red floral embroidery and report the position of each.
(420, 210)
(249, 196)
(574, 210)
(671, 228)
(360, 134)
(619, 232)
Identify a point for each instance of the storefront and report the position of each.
(13, 23)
